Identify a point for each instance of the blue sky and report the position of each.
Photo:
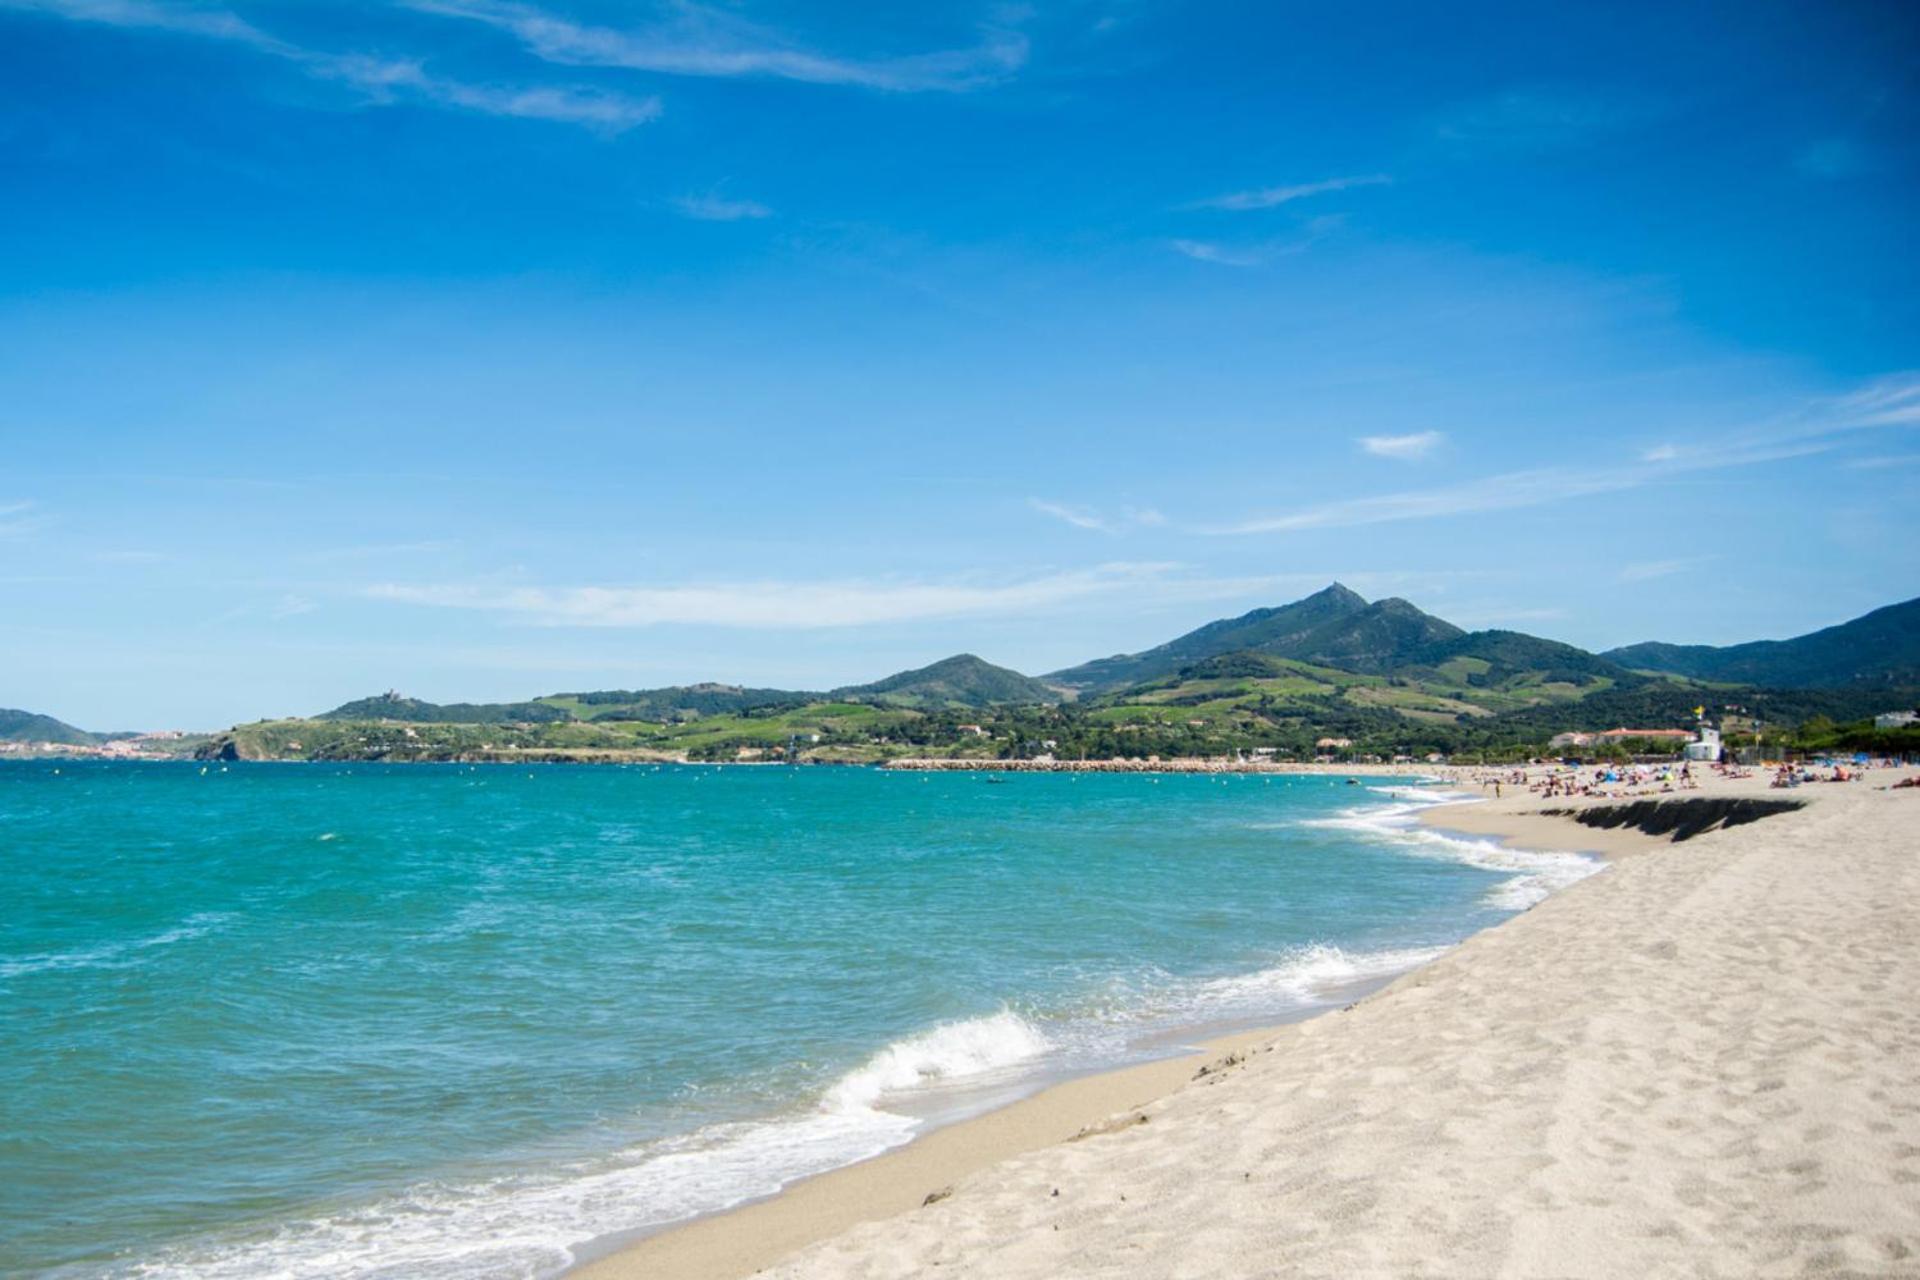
(485, 349)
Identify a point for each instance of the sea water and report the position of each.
(434, 1021)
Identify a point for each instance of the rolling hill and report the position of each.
(960, 681)
(1881, 648)
(397, 706)
(1275, 631)
(675, 702)
(28, 726)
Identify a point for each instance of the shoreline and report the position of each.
(746, 1238)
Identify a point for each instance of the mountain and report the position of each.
(1880, 648)
(26, 726)
(962, 680)
(1333, 627)
(395, 706)
(1507, 653)
(1380, 637)
(1271, 631)
(676, 702)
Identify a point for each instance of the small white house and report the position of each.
(1706, 746)
(1896, 719)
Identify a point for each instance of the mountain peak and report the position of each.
(1272, 631)
(965, 679)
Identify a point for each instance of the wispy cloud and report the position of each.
(701, 40)
(1813, 428)
(1269, 197)
(1407, 448)
(1218, 254)
(1088, 518)
(1078, 517)
(19, 518)
(292, 606)
(380, 79)
(1648, 570)
(796, 605)
(713, 207)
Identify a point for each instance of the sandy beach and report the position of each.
(1703, 1062)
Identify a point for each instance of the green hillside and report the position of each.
(27, 726)
(960, 681)
(395, 706)
(678, 702)
(1880, 648)
(1276, 630)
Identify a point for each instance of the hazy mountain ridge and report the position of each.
(1879, 648)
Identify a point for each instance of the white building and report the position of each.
(1706, 746)
(1896, 719)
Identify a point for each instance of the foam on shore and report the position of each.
(534, 1224)
(1533, 875)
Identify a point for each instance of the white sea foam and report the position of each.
(951, 1052)
(529, 1226)
(112, 955)
(1310, 976)
(1534, 875)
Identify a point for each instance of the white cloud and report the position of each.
(1817, 426)
(1647, 570)
(1406, 448)
(1088, 518)
(1219, 255)
(382, 79)
(1269, 197)
(705, 41)
(714, 207)
(1078, 517)
(797, 605)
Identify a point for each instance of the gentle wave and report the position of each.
(531, 1225)
(951, 1052)
(1534, 875)
(112, 955)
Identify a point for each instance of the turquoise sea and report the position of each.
(433, 1021)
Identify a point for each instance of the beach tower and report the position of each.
(1705, 747)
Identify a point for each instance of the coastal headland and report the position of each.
(1704, 1061)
